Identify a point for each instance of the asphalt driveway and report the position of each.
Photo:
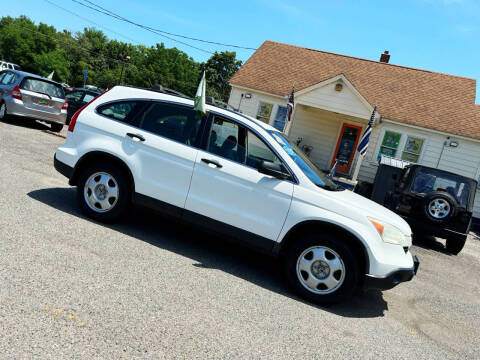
(152, 288)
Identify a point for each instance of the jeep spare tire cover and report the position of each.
(439, 206)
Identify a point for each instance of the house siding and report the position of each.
(250, 106)
(326, 97)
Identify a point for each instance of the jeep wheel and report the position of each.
(439, 206)
(103, 192)
(321, 269)
(454, 246)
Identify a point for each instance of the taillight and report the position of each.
(65, 105)
(16, 93)
(71, 127)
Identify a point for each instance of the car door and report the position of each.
(227, 187)
(164, 144)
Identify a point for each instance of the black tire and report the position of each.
(443, 197)
(324, 240)
(56, 127)
(454, 246)
(5, 117)
(120, 180)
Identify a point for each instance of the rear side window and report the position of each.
(8, 78)
(43, 87)
(175, 122)
(118, 111)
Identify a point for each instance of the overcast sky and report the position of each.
(437, 35)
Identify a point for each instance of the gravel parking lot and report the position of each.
(148, 288)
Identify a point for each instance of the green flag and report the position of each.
(200, 97)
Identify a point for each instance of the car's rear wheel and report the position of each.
(454, 246)
(56, 127)
(321, 269)
(103, 192)
(3, 112)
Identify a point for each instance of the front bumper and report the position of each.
(393, 279)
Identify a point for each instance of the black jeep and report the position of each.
(434, 202)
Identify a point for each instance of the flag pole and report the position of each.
(358, 164)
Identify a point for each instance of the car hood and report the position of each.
(371, 209)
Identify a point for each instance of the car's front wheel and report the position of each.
(103, 192)
(321, 269)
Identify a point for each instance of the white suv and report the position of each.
(238, 176)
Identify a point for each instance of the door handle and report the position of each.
(136, 136)
(213, 162)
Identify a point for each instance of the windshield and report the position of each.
(311, 170)
(428, 180)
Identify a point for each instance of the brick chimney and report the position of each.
(385, 57)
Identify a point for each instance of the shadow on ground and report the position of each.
(211, 252)
(430, 242)
(31, 124)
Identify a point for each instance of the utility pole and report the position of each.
(127, 58)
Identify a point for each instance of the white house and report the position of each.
(422, 116)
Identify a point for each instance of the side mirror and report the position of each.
(272, 169)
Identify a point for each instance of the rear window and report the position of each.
(428, 180)
(43, 87)
(119, 110)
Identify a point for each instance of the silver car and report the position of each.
(32, 96)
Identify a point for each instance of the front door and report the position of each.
(346, 147)
(227, 187)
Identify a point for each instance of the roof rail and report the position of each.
(161, 89)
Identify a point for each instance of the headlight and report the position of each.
(389, 233)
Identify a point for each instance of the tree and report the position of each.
(218, 70)
(41, 48)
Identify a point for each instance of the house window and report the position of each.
(279, 122)
(401, 146)
(412, 149)
(389, 144)
(264, 111)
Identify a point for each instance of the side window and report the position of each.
(2, 74)
(264, 111)
(10, 66)
(8, 78)
(88, 97)
(257, 151)
(118, 111)
(175, 122)
(227, 139)
(75, 95)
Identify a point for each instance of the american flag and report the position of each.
(290, 105)
(363, 146)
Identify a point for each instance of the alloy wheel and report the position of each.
(101, 192)
(320, 270)
(439, 208)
